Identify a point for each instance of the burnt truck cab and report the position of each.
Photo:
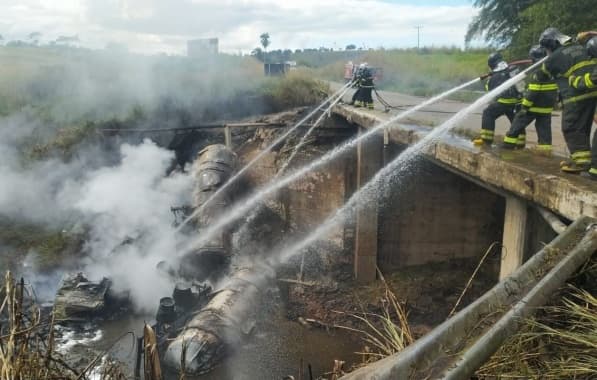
(214, 166)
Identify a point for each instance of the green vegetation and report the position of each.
(517, 24)
(298, 88)
(59, 96)
(422, 73)
(51, 247)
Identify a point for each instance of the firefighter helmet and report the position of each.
(537, 53)
(592, 47)
(494, 59)
(551, 38)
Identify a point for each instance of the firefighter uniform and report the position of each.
(537, 104)
(504, 105)
(356, 97)
(587, 84)
(578, 105)
(366, 85)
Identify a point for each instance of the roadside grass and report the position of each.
(425, 73)
(50, 247)
(296, 89)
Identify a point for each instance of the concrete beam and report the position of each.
(521, 173)
(514, 238)
(369, 161)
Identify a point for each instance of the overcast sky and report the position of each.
(152, 26)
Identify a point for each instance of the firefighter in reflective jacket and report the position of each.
(588, 83)
(364, 77)
(505, 103)
(356, 97)
(538, 101)
(568, 58)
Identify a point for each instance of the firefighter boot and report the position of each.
(485, 138)
(542, 150)
(580, 162)
(574, 167)
(509, 142)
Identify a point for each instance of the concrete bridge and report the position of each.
(449, 212)
(458, 200)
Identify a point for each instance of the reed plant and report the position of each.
(559, 343)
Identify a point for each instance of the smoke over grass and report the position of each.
(426, 72)
(63, 184)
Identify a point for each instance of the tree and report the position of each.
(34, 37)
(257, 53)
(67, 40)
(519, 23)
(498, 20)
(265, 43)
(351, 47)
(569, 16)
(264, 40)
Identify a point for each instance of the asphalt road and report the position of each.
(441, 111)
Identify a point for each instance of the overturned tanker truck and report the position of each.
(211, 309)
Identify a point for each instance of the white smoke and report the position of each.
(131, 201)
(114, 198)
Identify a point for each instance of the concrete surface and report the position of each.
(521, 173)
(435, 114)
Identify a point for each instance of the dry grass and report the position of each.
(560, 343)
(384, 333)
(27, 344)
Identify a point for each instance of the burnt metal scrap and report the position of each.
(196, 326)
(79, 298)
(222, 323)
(213, 168)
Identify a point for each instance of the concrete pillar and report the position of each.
(369, 161)
(228, 136)
(514, 238)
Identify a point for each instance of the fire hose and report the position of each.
(389, 106)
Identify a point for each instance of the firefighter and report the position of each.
(537, 104)
(568, 58)
(506, 102)
(366, 85)
(588, 83)
(356, 79)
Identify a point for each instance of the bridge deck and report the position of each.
(521, 173)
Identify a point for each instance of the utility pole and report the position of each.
(418, 28)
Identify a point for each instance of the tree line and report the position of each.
(517, 24)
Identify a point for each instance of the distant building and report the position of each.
(202, 47)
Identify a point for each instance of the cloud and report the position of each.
(165, 25)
